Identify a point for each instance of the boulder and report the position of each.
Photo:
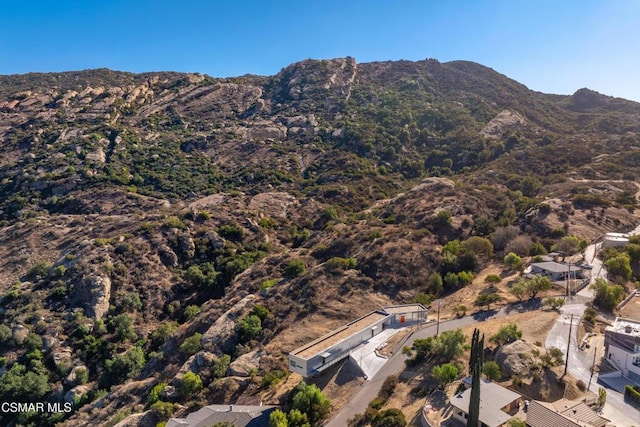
(225, 326)
(515, 358)
(100, 291)
(245, 364)
(187, 245)
(76, 392)
(62, 358)
(215, 240)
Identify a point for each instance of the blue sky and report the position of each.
(551, 46)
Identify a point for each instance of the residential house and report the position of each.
(497, 405)
(235, 415)
(563, 413)
(622, 347)
(556, 271)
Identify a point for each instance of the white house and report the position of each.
(324, 352)
(622, 347)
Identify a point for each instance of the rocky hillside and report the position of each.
(161, 225)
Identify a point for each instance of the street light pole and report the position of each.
(593, 365)
(438, 321)
(566, 362)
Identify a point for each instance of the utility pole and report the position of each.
(566, 359)
(438, 321)
(593, 365)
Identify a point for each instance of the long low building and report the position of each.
(329, 349)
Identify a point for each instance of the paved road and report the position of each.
(580, 362)
(396, 363)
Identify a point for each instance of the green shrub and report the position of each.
(295, 268)
(231, 232)
(191, 345)
(39, 270)
(163, 410)
(190, 312)
(82, 376)
(220, 366)
(155, 393)
(339, 263)
(493, 278)
(190, 384)
(248, 328)
(633, 393)
(272, 378)
(506, 334)
(160, 334)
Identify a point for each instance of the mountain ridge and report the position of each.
(131, 204)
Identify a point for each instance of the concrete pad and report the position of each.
(616, 383)
(365, 354)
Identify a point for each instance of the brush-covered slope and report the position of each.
(148, 220)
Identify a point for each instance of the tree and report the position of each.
(123, 327)
(190, 384)
(519, 289)
(537, 248)
(278, 419)
(295, 418)
(537, 284)
(480, 246)
(607, 296)
(602, 397)
(568, 245)
(516, 422)
(21, 385)
(619, 266)
(506, 334)
(513, 262)
(434, 283)
(553, 302)
(484, 226)
(487, 299)
(492, 371)
(444, 374)
(450, 344)
(310, 400)
(475, 369)
(122, 367)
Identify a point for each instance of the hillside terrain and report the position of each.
(157, 225)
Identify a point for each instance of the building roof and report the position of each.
(625, 326)
(236, 415)
(492, 399)
(326, 341)
(404, 308)
(554, 267)
(563, 413)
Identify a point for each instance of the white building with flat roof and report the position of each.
(324, 352)
(614, 240)
(622, 347)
